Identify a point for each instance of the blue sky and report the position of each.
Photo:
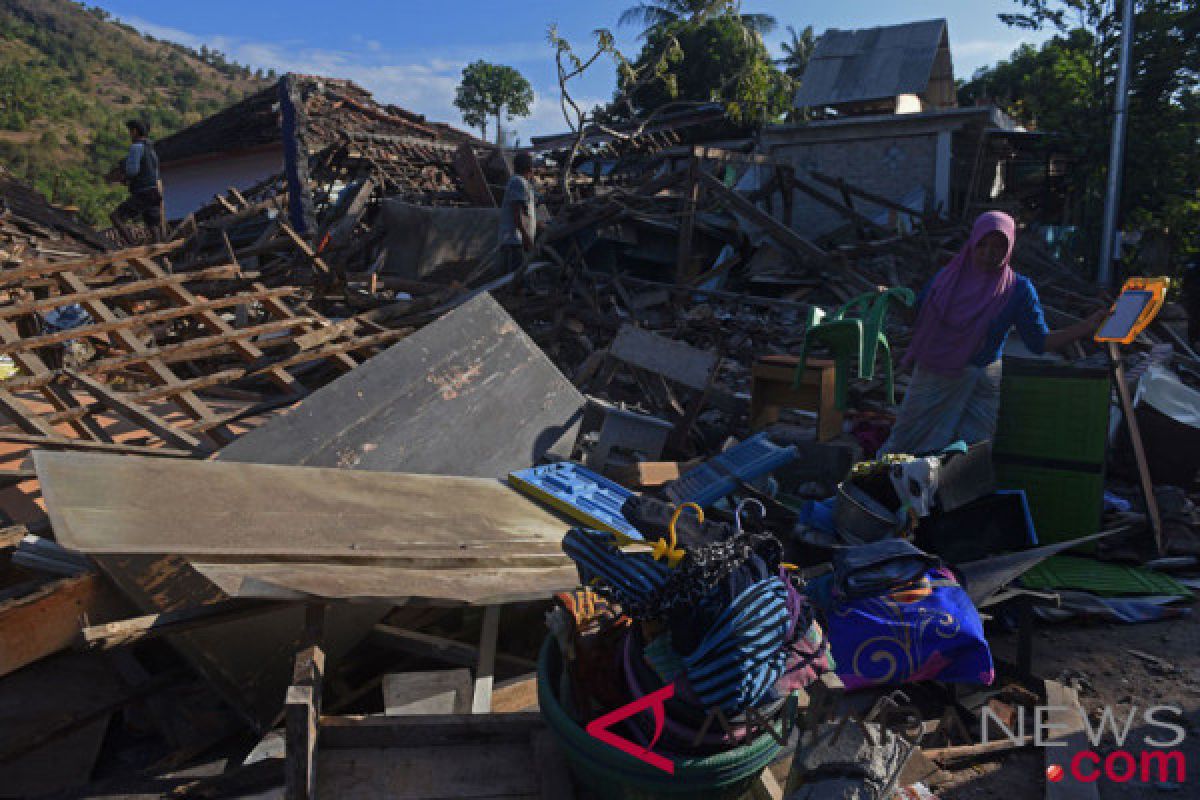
(412, 52)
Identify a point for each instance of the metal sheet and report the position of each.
(125, 505)
(470, 394)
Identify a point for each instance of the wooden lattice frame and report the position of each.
(114, 289)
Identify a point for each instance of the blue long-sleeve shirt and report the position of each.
(1022, 311)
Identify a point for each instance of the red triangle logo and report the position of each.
(599, 728)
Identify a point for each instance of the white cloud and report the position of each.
(426, 84)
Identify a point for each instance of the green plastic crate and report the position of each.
(1065, 504)
(1053, 413)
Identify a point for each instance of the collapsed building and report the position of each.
(291, 493)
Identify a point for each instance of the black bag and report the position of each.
(872, 569)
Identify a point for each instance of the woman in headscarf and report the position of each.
(963, 319)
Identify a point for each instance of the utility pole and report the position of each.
(1116, 156)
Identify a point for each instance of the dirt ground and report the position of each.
(1097, 654)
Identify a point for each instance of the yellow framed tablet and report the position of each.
(1136, 307)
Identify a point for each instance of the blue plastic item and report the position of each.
(721, 475)
(579, 493)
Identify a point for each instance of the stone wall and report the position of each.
(891, 166)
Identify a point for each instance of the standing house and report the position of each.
(278, 129)
(898, 69)
(884, 118)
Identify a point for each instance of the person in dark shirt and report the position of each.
(518, 215)
(963, 320)
(141, 175)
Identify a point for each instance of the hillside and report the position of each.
(69, 78)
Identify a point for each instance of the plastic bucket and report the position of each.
(613, 775)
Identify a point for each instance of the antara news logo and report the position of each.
(1159, 760)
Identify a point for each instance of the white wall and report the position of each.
(189, 186)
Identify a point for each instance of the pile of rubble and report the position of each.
(257, 472)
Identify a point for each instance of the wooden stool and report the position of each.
(771, 390)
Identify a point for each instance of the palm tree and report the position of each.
(797, 52)
(656, 13)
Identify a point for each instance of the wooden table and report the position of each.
(771, 390)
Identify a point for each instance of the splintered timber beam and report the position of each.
(41, 269)
(226, 376)
(191, 348)
(152, 626)
(64, 443)
(192, 404)
(781, 233)
(141, 320)
(136, 413)
(117, 290)
(246, 350)
(57, 397)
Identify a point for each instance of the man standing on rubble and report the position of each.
(518, 214)
(141, 175)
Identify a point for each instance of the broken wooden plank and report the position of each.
(481, 702)
(188, 401)
(474, 183)
(677, 361)
(108, 505)
(115, 290)
(444, 691)
(85, 445)
(144, 417)
(152, 626)
(42, 269)
(781, 233)
(441, 649)
(143, 320)
(49, 619)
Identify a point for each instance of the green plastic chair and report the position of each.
(854, 331)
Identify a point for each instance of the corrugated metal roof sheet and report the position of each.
(871, 64)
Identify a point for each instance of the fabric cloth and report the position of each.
(596, 634)
(141, 166)
(518, 196)
(924, 630)
(743, 654)
(940, 409)
(1023, 311)
(962, 303)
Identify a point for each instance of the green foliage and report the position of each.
(721, 61)
(660, 13)
(1067, 87)
(489, 90)
(70, 76)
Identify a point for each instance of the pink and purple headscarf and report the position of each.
(962, 303)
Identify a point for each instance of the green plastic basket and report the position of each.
(610, 774)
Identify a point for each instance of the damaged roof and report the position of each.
(875, 63)
(333, 107)
(26, 216)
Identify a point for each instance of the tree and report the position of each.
(489, 90)
(797, 52)
(1066, 87)
(721, 61)
(661, 13)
